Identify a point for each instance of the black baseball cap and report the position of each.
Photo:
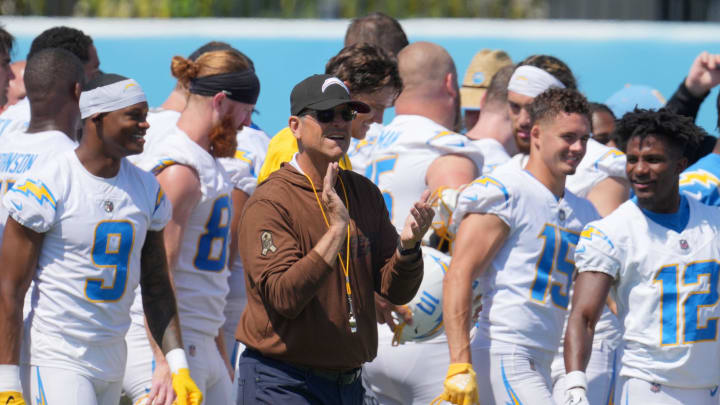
(322, 92)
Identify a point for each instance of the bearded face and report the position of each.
(223, 138)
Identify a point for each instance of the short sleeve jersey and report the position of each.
(201, 272)
(528, 282)
(702, 180)
(20, 152)
(666, 288)
(15, 119)
(401, 157)
(89, 264)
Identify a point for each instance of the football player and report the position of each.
(223, 90)
(87, 227)
(517, 229)
(658, 255)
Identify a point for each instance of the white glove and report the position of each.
(576, 394)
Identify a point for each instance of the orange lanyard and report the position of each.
(346, 264)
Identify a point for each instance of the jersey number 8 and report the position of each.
(212, 247)
(112, 246)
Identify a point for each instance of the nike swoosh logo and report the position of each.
(17, 205)
(713, 392)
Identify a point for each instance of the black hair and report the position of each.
(218, 46)
(70, 39)
(377, 29)
(554, 66)
(600, 107)
(679, 131)
(6, 41)
(50, 72)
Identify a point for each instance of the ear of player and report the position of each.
(185, 388)
(460, 386)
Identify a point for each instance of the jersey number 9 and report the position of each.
(112, 246)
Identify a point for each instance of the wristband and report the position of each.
(10, 378)
(405, 252)
(176, 360)
(576, 379)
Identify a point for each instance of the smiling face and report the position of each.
(653, 168)
(518, 111)
(560, 142)
(323, 141)
(122, 131)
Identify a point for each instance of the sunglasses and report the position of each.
(325, 116)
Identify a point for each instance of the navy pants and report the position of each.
(262, 380)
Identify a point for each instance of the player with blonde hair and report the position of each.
(223, 90)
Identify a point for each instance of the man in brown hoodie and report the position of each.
(316, 244)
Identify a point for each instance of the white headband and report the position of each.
(112, 97)
(531, 81)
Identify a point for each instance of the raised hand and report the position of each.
(704, 74)
(418, 222)
(337, 213)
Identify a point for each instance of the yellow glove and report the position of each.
(460, 386)
(11, 398)
(187, 392)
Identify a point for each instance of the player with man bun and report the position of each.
(223, 90)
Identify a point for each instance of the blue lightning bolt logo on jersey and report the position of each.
(612, 153)
(36, 189)
(590, 231)
(702, 185)
(489, 181)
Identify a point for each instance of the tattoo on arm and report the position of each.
(158, 295)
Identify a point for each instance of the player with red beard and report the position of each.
(223, 90)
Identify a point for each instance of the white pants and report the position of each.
(601, 374)
(207, 368)
(51, 385)
(412, 373)
(634, 391)
(513, 374)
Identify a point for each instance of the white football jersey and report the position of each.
(528, 282)
(666, 289)
(599, 163)
(360, 151)
(89, 263)
(402, 154)
(16, 118)
(494, 154)
(201, 273)
(242, 171)
(21, 152)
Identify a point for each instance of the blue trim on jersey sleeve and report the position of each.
(677, 221)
